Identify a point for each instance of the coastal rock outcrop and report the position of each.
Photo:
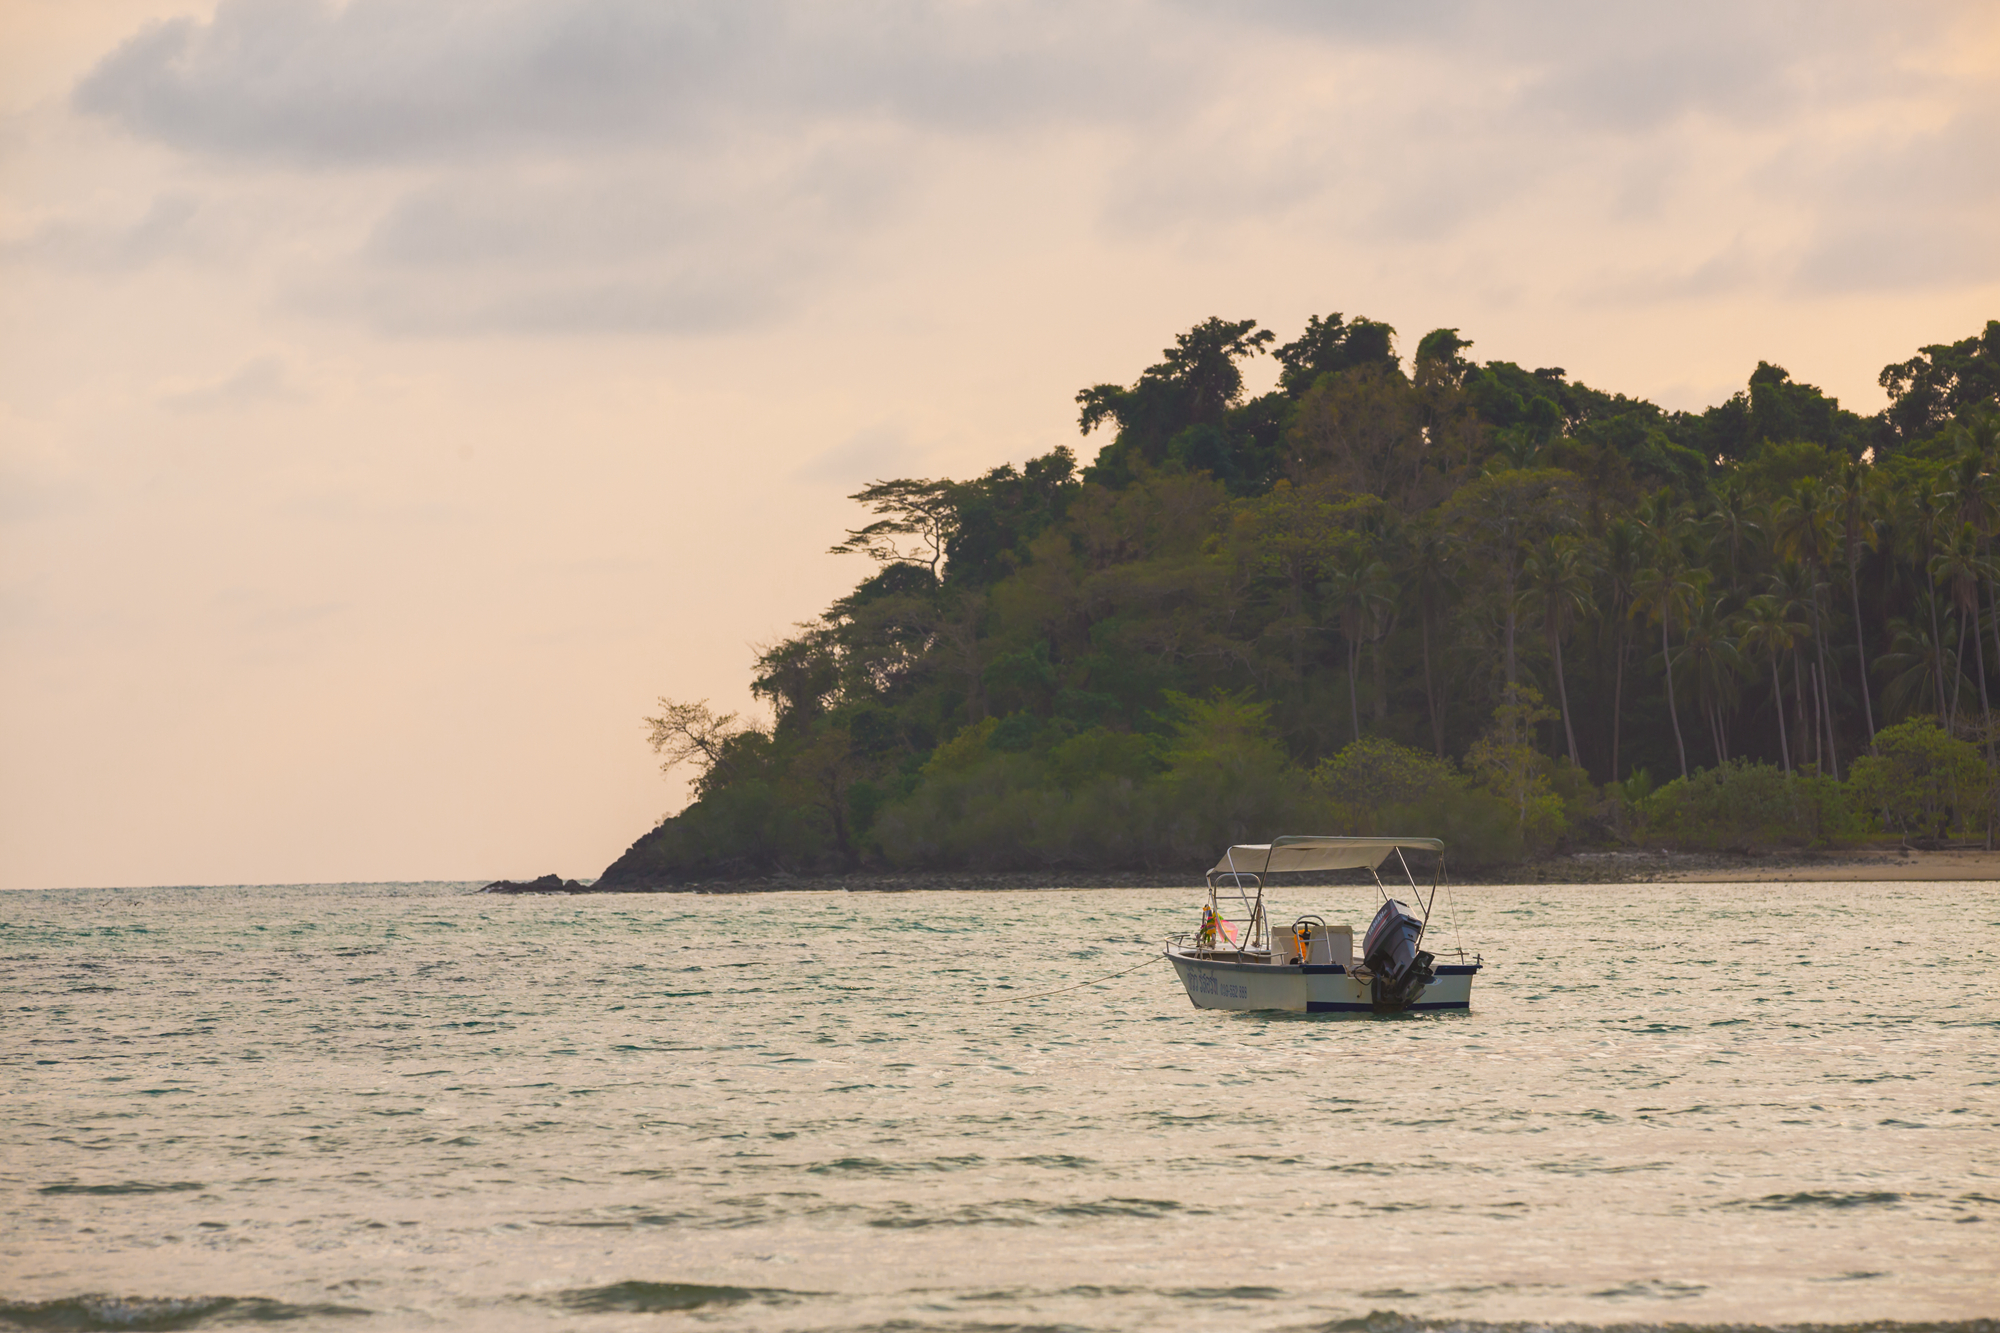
(546, 884)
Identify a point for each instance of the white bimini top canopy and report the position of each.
(1315, 853)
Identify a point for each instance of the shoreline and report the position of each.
(1841, 866)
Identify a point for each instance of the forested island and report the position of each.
(1456, 598)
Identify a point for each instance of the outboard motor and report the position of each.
(1389, 951)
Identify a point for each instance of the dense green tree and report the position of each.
(1942, 382)
(1196, 383)
(1331, 345)
(1922, 778)
(1558, 576)
(1119, 664)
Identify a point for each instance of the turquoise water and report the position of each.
(406, 1106)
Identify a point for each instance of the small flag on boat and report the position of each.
(1212, 922)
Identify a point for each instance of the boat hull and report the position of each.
(1214, 983)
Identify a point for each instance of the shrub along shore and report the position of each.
(1462, 599)
(1884, 863)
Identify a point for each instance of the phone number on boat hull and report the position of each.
(1206, 984)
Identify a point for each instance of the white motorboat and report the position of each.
(1237, 961)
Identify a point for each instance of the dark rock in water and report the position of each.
(546, 884)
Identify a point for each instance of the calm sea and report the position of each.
(408, 1106)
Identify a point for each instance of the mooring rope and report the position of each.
(1006, 999)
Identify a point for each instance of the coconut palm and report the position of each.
(1711, 663)
(1916, 666)
(1558, 584)
(1978, 495)
(1856, 501)
(1802, 524)
(1963, 569)
(1622, 561)
(1662, 592)
(1432, 562)
(1919, 517)
(1362, 589)
(1734, 522)
(1766, 629)
(1791, 588)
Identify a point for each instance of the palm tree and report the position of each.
(1361, 587)
(1974, 485)
(1558, 579)
(1791, 587)
(1660, 593)
(1430, 579)
(1765, 629)
(1621, 568)
(1916, 665)
(1920, 514)
(1384, 534)
(1854, 506)
(1709, 656)
(1803, 526)
(1963, 570)
(1733, 522)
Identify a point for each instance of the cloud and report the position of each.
(258, 381)
(390, 81)
(680, 167)
(683, 244)
(880, 452)
(167, 228)
(1919, 209)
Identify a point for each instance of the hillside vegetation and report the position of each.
(1445, 597)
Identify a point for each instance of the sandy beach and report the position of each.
(1887, 865)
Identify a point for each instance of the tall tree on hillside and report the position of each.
(1382, 529)
(1916, 665)
(1803, 526)
(1765, 630)
(1978, 495)
(1964, 569)
(918, 520)
(1430, 577)
(1712, 663)
(1791, 588)
(1942, 381)
(1499, 517)
(1854, 505)
(1291, 533)
(1622, 563)
(1734, 523)
(1558, 576)
(1663, 592)
(1363, 430)
(1441, 360)
(1331, 345)
(1195, 383)
(1920, 514)
(1362, 589)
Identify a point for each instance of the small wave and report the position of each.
(968, 1216)
(963, 1326)
(1118, 1208)
(665, 1297)
(154, 1312)
(125, 1187)
(875, 1166)
(1024, 1213)
(1389, 1321)
(1822, 1199)
(1653, 1290)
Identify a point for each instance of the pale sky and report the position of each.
(397, 396)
